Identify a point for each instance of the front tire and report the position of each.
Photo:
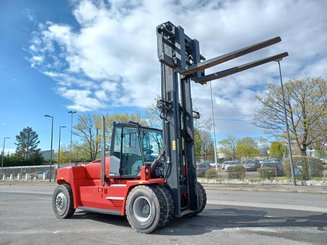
(62, 202)
(202, 197)
(145, 208)
(169, 204)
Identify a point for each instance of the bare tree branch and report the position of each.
(306, 105)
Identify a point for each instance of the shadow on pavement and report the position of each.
(105, 218)
(218, 219)
(224, 218)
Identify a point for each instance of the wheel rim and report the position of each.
(60, 202)
(142, 209)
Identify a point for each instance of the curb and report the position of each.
(318, 183)
(310, 186)
(222, 185)
(28, 182)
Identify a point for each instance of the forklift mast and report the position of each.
(175, 50)
(181, 62)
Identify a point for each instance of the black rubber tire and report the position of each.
(145, 208)
(62, 202)
(170, 206)
(202, 196)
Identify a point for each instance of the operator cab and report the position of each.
(133, 146)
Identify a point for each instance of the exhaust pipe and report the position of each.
(103, 150)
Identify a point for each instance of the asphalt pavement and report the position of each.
(231, 217)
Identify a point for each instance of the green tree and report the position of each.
(276, 149)
(198, 143)
(321, 149)
(247, 147)
(203, 142)
(306, 105)
(80, 153)
(322, 127)
(13, 160)
(207, 145)
(121, 117)
(152, 115)
(264, 145)
(228, 147)
(88, 129)
(27, 146)
(64, 154)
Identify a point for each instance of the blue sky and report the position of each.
(27, 94)
(100, 56)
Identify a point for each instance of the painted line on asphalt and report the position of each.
(269, 205)
(66, 231)
(279, 230)
(227, 188)
(27, 192)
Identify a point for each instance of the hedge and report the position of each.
(236, 172)
(211, 173)
(267, 172)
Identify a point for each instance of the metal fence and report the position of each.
(39, 172)
(36, 172)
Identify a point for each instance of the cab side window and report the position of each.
(131, 157)
(115, 158)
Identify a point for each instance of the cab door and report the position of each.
(126, 158)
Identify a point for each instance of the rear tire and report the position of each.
(62, 202)
(202, 197)
(145, 208)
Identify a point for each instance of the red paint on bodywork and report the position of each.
(88, 192)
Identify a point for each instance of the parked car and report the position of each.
(202, 168)
(251, 164)
(213, 165)
(225, 163)
(278, 166)
(228, 164)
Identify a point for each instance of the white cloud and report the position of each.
(82, 99)
(36, 60)
(30, 16)
(111, 59)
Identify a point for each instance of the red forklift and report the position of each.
(150, 174)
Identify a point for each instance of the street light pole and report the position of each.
(214, 129)
(51, 157)
(60, 127)
(287, 127)
(71, 136)
(3, 151)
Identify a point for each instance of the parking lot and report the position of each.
(231, 217)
